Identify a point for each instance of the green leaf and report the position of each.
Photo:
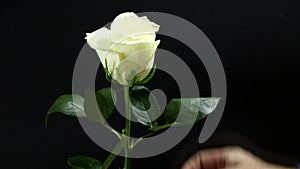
(148, 77)
(109, 98)
(68, 104)
(144, 105)
(84, 162)
(190, 107)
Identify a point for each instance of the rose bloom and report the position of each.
(126, 50)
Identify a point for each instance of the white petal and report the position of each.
(147, 69)
(130, 25)
(154, 26)
(125, 72)
(144, 59)
(112, 59)
(99, 39)
(141, 57)
(130, 49)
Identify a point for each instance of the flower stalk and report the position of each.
(127, 127)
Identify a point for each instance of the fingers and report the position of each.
(225, 158)
(212, 159)
(206, 159)
(193, 162)
(218, 158)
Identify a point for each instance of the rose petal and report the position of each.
(125, 72)
(130, 49)
(99, 39)
(130, 25)
(112, 59)
(147, 69)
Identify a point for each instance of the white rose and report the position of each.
(128, 47)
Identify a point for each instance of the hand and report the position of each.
(227, 158)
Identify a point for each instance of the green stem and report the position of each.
(158, 128)
(127, 127)
(114, 153)
(109, 160)
(140, 139)
(111, 129)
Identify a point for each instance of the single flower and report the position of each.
(127, 49)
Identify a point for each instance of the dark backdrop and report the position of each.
(258, 42)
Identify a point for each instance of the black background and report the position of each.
(258, 43)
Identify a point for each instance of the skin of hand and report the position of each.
(227, 158)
